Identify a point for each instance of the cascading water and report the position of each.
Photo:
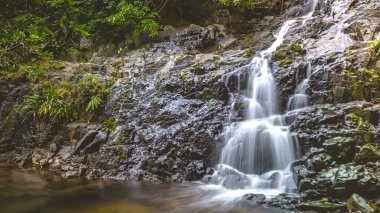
(300, 99)
(259, 150)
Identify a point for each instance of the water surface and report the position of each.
(38, 191)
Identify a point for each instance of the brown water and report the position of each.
(31, 191)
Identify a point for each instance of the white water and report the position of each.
(258, 151)
(300, 99)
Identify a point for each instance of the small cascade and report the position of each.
(300, 99)
(259, 150)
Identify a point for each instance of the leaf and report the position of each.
(94, 103)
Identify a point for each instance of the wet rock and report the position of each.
(94, 146)
(85, 141)
(341, 148)
(320, 161)
(255, 198)
(40, 158)
(367, 153)
(227, 42)
(359, 203)
(196, 37)
(321, 207)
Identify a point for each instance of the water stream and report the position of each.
(300, 99)
(258, 151)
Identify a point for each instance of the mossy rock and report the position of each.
(207, 94)
(357, 203)
(9, 124)
(321, 161)
(342, 149)
(285, 54)
(368, 153)
(322, 206)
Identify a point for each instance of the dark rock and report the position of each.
(341, 148)
(94, 146)
(255, 198)
(85, 141)
(196, 37)
(321, 206)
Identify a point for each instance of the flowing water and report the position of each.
(300, 99)
(258, 151)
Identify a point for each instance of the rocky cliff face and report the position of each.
(339, 133)
(168, 103)
(160, 122)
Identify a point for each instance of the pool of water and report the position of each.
(38, 191)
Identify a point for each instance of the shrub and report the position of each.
(47, 104)
(66, 100)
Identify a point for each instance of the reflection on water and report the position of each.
(30, 191)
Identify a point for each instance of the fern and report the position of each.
(94, 103)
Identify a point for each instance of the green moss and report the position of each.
(375, 47)
(120, 153)
(13, 76)
(357, 121)
(118, 64)
(248, 54)
(207, 94)
(9, 124)
(284, 62)
(297, 48)
(213, 59)
(367, 153)
(109, 123)
(321, 206)
(182, 76)
(285, 54)
(127, 94)
(212, 79)
(128, 104)
(121, 137)
(197, 66)
(189, 86)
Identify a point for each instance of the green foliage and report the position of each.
(137, 17)
(182, 76)
(367, 153)
(375, 46)
(29, 29)
(250, 4)
(94, 103)
(285, 54)
(358, 121)
(69, 101)
(297, 47)
(110, 124)
(48, 104)
(207, 94)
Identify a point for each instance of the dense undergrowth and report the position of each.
(37, 35)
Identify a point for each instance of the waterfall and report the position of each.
(259, 150)
(300, 99)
